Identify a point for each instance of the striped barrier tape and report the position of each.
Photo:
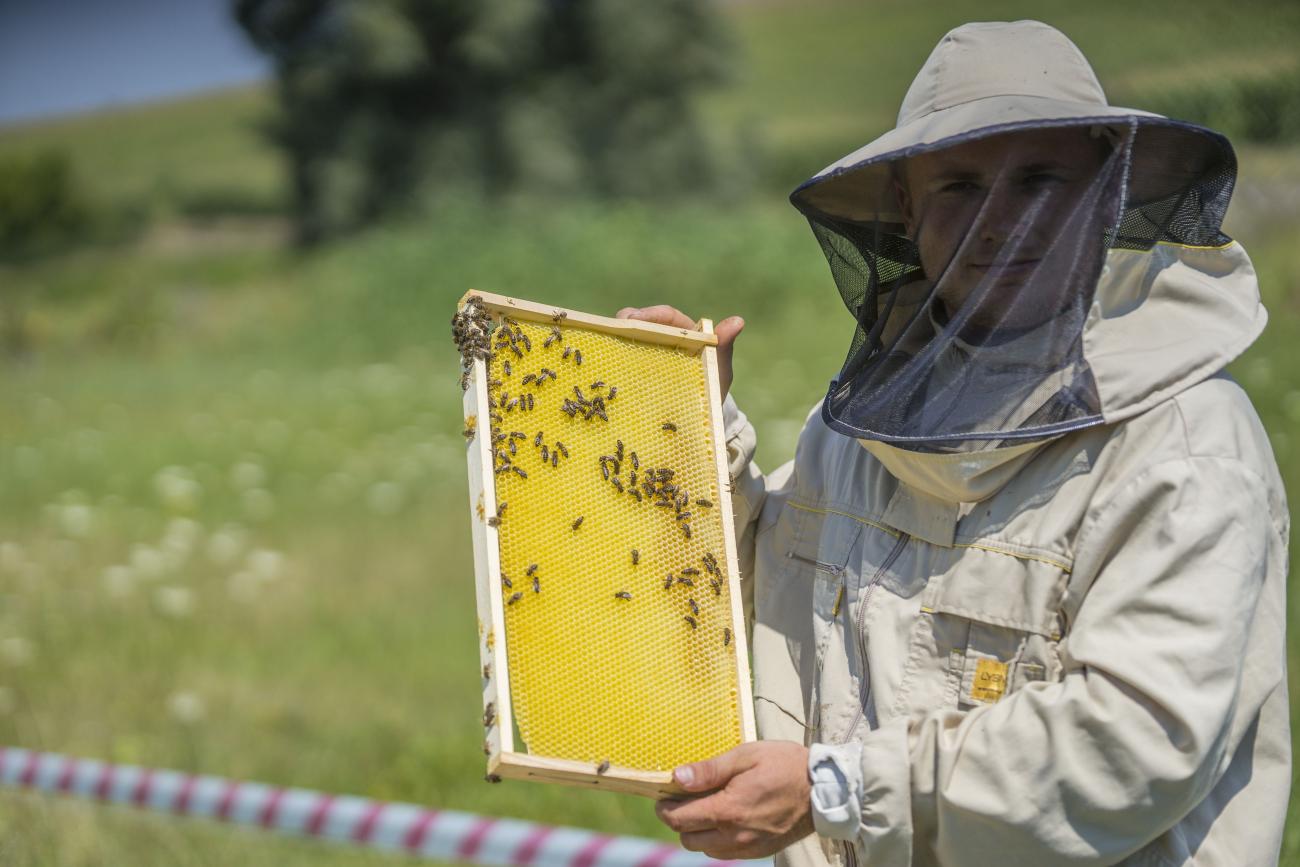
(444, 835)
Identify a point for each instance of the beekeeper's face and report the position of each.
(984, 216)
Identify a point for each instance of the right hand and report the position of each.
(727, 330)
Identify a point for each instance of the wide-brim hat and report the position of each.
(988, 78)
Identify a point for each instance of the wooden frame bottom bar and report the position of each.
(648, 784)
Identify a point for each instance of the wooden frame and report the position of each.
(504, 760)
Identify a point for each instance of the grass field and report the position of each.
(233, 529)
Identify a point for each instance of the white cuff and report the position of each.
(836, 775)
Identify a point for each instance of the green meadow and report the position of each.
(234, 528)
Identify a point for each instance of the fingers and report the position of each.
(659, 313)
(701, 814)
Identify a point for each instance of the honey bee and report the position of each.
(487, 671)
(636, 556)
(537, 440)
(669, 426)
(559, 446)
(507, 583)
(600, 383)
(530, 402)
(668, 582)
(690, 570)
(717, 586)
(531, 571)
(618, 450)
(634, 492)
(726, 636)
(546, 454)
(489, 714)
(528, 377)
(506, 365)
(501, 508)
(512, 448)
(515, 597)
(686, 530)
(695, 608)
(491, 778)
(617, 484)
(622, 594)
(700, 501)
(602, 767)
(682, 579)
(568, 350)
(522, 474)
(555, 459)
(537, 584)
(578, 522)
(577, 357)
(636, 464)
(613, 390)
(691, 620)
(559, 316)
(528, 344)
(494, 521)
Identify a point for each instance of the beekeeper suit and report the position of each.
(1021, 590)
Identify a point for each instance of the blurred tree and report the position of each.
(42, 212)
(386, 101)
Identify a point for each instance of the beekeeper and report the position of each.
(1019, 598)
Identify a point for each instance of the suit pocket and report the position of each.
(992, 627)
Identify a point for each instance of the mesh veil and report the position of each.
(970, 267)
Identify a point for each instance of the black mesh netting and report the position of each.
(982, 342)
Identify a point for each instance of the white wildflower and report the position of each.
(118, 581)
(174, 601)
(16, 652)
(147, 561)
(226, 545)
(177, 489)
(247, 474)
(266, 564)
(186, 707)
(385, 498)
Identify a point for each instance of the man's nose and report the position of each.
(1006, 213)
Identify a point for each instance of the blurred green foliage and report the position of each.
(42, 209)
(382, 103)
(1263, 109)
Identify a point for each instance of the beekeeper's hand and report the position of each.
(756, 801)
(727, 331)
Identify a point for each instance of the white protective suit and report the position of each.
(1064, 651)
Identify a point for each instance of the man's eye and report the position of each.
(959, 187)
(1043, 179)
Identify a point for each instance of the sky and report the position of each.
(66, 56)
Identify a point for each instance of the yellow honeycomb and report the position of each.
(606, 662)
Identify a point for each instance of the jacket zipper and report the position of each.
(865, 692)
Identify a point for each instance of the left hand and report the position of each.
(757, 801)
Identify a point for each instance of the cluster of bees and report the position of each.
(649, 485)
(477, 339)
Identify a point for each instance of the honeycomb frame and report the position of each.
(506, 758)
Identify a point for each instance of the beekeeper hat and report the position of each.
(989, 77)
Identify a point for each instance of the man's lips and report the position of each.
(1013, 265)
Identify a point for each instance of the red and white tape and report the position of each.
(444, 835)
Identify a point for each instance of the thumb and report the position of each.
(728, 330)
(712, 773)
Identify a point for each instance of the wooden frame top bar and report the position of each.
(635, 329)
